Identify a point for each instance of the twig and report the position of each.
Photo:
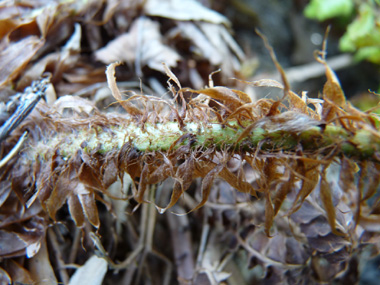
(14, 150)
(204, 236)
(182, 246)
(75, 244)
(58, 257)
(147, 235)
(144, 244)
(311, 70)
(264, 258)
(32, 95)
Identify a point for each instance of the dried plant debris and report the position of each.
(70, 38)
(308, 172)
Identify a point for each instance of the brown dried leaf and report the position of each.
(63, 188)
(374, 181)
(222, 49)
(89, 174)
(74, 103)
(89, 208)
(310, 173)
(110, 172)
(326, 198)
(264, 83)
(7, 25)
(283, 191)
(18, 273)
(347, 175)
(237, 183)
(332, 89)
(76, 210)
(332, 93)
(171, 75)
(15, 56)
(139, 197)
(231, 98)
(184, 178)
(162, 172)
(22, 238)
(295, 101)
(56, 63)
(271, 172)
(128, 160)
(111, 80)
(269, 212)
(81, 202)
(40, 266)
(243, 96)
(183, 10)
(11, 244)
(207, 183)
(142, 45)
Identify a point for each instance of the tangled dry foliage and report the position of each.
(83, 192)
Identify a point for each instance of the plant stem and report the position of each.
(169, 136)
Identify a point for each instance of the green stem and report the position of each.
(164, 136)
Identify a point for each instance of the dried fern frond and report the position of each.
(75, 154)
(76, 157)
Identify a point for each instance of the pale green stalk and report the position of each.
(162, 137)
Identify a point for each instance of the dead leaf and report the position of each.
(332, 89)
(310, 173)
(56, 63)
(326, 197)
(110, 72)
(269, 213)
(93, 271)
(142, 46)
(41, 269)
(76, 210)
(18, 273)
(4, 277)
(15, 56)
(184, 178)
(213, 43)
(233, 99)
(207, 182)
(22, 238)
(183, 10)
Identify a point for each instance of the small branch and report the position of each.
(302, 73)
(315, 69)
(14, 150)
(58, 256)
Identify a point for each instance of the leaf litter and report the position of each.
(296, 208)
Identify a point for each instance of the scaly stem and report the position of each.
(165, 136)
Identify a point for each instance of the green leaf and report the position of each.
(371, 54)
(325, 9)
(359, 32)
(363, 35)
